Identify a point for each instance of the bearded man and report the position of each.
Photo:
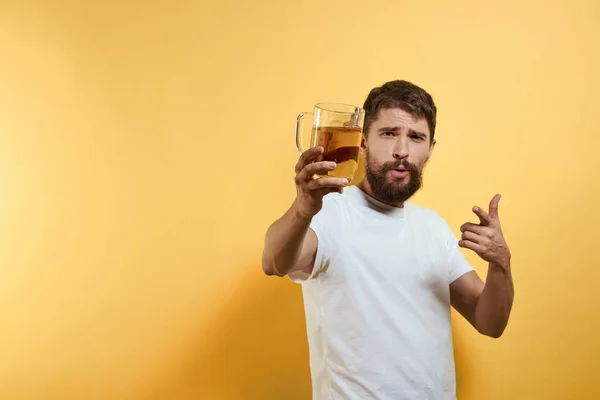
(379, 273)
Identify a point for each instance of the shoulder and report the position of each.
(330, 209)
(428, 216)
(424, 212)
(336, 202)
(332, 203)
(334, 211)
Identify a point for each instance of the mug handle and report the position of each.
(299, 125)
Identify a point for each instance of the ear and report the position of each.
(363, 145)
(431, 147)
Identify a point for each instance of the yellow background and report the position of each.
(145, 147)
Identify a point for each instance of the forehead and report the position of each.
(397, 117)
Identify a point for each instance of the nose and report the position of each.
(401, 148)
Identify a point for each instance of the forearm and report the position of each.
(495, 302)
(283, 242)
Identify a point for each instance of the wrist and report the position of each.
(503, 264)
(301, 213)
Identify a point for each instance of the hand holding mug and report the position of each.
(310, 191)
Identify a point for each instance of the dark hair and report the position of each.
(400, 94)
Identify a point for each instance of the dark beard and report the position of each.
(392, 192)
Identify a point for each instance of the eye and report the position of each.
(388, 133)
(418, 137)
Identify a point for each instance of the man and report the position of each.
(380, 273)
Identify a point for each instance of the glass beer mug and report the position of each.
(337, 128)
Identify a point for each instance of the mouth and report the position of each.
(399, 172)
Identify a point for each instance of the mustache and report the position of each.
(395, 164)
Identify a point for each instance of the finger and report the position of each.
(494, 206)
(467, 244)
(321, 183)
(320, 167)
(324, 191)
(469, 226)
(472, 237)
(307, 157)
(482, 231)
(483, 216)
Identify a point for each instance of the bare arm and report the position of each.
(290, 244)
(486, 306)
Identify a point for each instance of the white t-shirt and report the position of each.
(377, 303)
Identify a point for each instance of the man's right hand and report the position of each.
(310, 192)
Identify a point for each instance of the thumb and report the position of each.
(494, 206)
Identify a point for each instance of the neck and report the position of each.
(365, 186)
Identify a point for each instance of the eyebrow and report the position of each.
(398, 128)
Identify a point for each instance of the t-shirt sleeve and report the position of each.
(457, 263)
(326, 227)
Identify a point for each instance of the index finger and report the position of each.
(307, 157)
